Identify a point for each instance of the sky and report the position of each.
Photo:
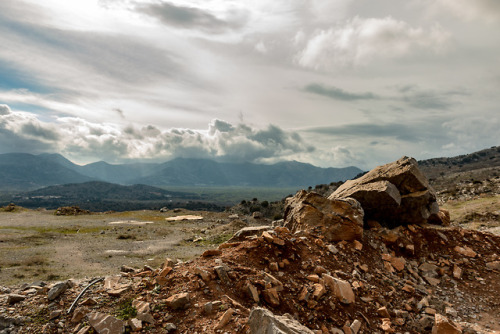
(332, 83)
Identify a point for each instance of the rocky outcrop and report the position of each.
(262, 321)
(335, 219)
(394, 194)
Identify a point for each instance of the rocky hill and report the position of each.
(465, 177)
(329, 267)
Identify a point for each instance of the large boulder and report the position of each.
(394, 194)
(337, 219)
(262, 321)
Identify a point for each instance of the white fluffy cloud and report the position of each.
(85, 141)
(359, 41)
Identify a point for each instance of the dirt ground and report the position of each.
(38, 245)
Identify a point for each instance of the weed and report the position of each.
(126, 310)
(40, 316)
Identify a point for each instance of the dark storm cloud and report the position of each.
(187, 17)
(417, 131)
(428, 98)
(338, 94)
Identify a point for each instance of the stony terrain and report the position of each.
(328, 267)
(393, 280)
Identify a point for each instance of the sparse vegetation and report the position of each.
(125, 310)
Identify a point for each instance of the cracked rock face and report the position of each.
(394, 194)
(335, 219)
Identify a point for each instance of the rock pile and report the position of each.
(393, 194)
(71, 211)
(411, 279)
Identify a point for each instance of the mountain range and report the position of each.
(22, 172)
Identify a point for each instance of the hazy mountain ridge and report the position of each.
(28, 172)
(22, 171)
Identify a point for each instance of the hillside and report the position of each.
(103, 196)
(484, 159)
(465, 177)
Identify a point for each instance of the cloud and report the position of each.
(418, 131)
(481, 10)
(359, 41)
(191, 17)
(338, 94)
(4, 109)
(419, 98)
(84, 141)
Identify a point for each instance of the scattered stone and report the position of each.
(205, 275)
(398, 263)
(383, 312)
(84, 330)
(211, 252)
(494, 265)
(135, 324)
(78, 314)
(246, 232)
(271, 296)
(355, 326)
(340, 288)
(14, 298)
(357, 245)
(466, 251)
(57, 290)
(225, 319)
(178, 301)
(252, 291)
(127, 269)
(332, 249)
(145, 317)
(444, 326)
(262, 321)
(106, 324)
(441, 218)
(222, 273)
(170, 327)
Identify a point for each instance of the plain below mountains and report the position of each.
(22, 172)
